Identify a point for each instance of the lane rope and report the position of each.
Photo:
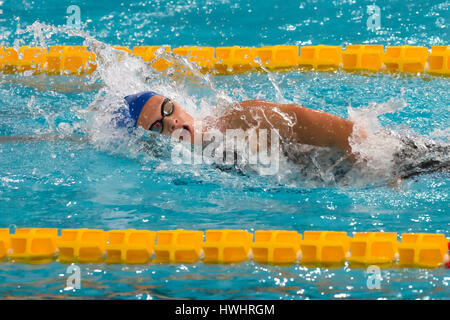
(78, 60)
(280, 247)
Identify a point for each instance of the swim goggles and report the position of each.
(166, 110)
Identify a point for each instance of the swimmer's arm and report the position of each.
(321, 128)
(310, 126)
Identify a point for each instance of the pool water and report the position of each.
(108, 181)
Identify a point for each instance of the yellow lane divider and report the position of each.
(314, 248)
(78, 60)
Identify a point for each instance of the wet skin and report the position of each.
(294, 122)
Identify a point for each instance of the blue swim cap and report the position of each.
(128, 117)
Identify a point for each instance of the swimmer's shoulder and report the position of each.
(271, 106)
(257, 103)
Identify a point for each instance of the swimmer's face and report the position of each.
(175, 117)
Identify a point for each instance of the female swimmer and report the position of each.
(294, 123)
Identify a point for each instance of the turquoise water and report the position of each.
(110, 182)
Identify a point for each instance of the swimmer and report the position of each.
(295, 124)
(154, 112)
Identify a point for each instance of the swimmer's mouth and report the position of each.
(188, 129)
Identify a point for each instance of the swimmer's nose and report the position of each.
(173, 124)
